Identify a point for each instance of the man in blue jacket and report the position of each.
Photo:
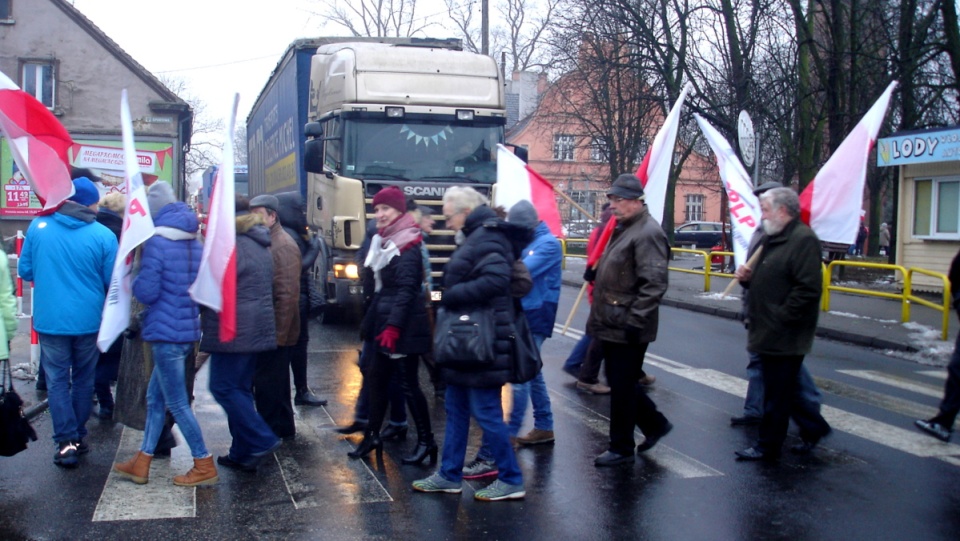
(69, 257)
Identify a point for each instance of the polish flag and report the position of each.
(38, 142)
(597, 252)
(516, 181)
(137, 228)
(831, 204)
(654, 171)
(216, 283)
(744, 206)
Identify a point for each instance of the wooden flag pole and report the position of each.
(574, 203)
(576, 305)
(750, 263)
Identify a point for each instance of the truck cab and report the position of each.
(422, 115)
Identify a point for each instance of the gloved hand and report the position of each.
(633, 334)
(590, 274)
(388, 338)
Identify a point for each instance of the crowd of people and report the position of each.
(70, 254)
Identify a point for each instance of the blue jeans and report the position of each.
(536, 390)
(231, 384)
(70, 363)
(484, 405)
(809, 397)
(577, 355)
(168, 390)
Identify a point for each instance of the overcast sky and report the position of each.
(216, 46)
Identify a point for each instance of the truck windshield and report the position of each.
(408, 149)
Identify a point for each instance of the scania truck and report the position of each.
(420, 114)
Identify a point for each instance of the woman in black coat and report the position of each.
(397, 322)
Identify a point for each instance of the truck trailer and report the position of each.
(420, 114)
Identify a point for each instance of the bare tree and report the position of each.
(524, 26)
(240, 145)
(206, 141)
(376, 18)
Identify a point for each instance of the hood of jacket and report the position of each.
(178, 216)
(292, 212)
(252, 226)
(74, 215)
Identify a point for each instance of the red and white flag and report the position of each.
(137, 228)
(654, 170)
(38, 142)
(216, 283)
(831, 204)
(517, 181)
(744, 206)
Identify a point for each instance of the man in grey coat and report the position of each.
(630, 280)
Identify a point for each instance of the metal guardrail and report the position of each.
(906, 298)
(577, 252)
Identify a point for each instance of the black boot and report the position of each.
(356, 426)
(394, 432)
(371, 441)
(426, 446)
(165, 443)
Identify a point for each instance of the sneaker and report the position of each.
(934, 428)
(480, 468)
(436, 483)
(82, 447)
(498, 490)
(593, 388)
(536, 437)
(66, 456)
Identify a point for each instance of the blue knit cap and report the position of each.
(85, 192)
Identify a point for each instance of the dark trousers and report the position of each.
(398, 402)
(271, 390)
(629, 405)
(298, 352)
(782, 401)
(950, 405)
(108, 366)
(590, 369)
(378, 378)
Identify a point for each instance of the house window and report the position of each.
(38, 81)
(936, 208)
(563, 146)
(694, 207)
(599, 150)
(6, 9)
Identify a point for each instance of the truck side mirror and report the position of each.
(313, 156)
(313, 129)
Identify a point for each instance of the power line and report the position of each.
(208, 66)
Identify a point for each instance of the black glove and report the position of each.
(633, 334)
(590, 274)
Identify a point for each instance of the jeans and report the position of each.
(231, 384)
(629, 405)
(809, 396)
(585, 360)
(950, 405)
(483, 404)
(782, 401)
(398, 405)
(69, 363)
(168, 390)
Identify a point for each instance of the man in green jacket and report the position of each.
(785, 287)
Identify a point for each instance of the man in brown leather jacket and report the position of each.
(630, 280)
(271, 383)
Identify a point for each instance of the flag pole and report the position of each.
(574, 203)
(576, 305)
(749, 264)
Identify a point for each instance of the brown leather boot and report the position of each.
(137, 469)
(202, 473)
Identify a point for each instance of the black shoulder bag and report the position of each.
(15, 430)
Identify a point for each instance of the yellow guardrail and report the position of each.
(943, 308)
(707, 271)
(564, 243)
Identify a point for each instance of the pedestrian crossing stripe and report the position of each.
(894, 381)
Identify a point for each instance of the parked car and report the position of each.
(702, 235)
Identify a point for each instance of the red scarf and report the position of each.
(404, 233)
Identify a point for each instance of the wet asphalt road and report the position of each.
(874, 478)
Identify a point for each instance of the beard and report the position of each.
(773, 227)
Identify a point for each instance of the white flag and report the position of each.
(744, 206)
(137, 228)
(654, 170)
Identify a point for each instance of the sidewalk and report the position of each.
(856, 319)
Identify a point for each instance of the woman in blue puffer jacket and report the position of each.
(171, 325)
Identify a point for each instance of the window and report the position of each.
(38, 81)
(563, 146)
(332, 145)
(693, 207)
(599, 150)
(936, 208)
(6, 9)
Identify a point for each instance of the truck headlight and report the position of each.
(349, 271)
(394, 112)
(464, 114)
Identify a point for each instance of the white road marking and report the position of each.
(894, 381)
(123, 499)
(670, 459)
(571, 332)
(908, 441)
(330, 477)
(938, 374)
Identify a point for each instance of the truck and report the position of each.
(342, 118)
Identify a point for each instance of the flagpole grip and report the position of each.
(749, 264)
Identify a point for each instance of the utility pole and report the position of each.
(485, 27)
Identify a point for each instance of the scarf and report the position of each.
(390, 242)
